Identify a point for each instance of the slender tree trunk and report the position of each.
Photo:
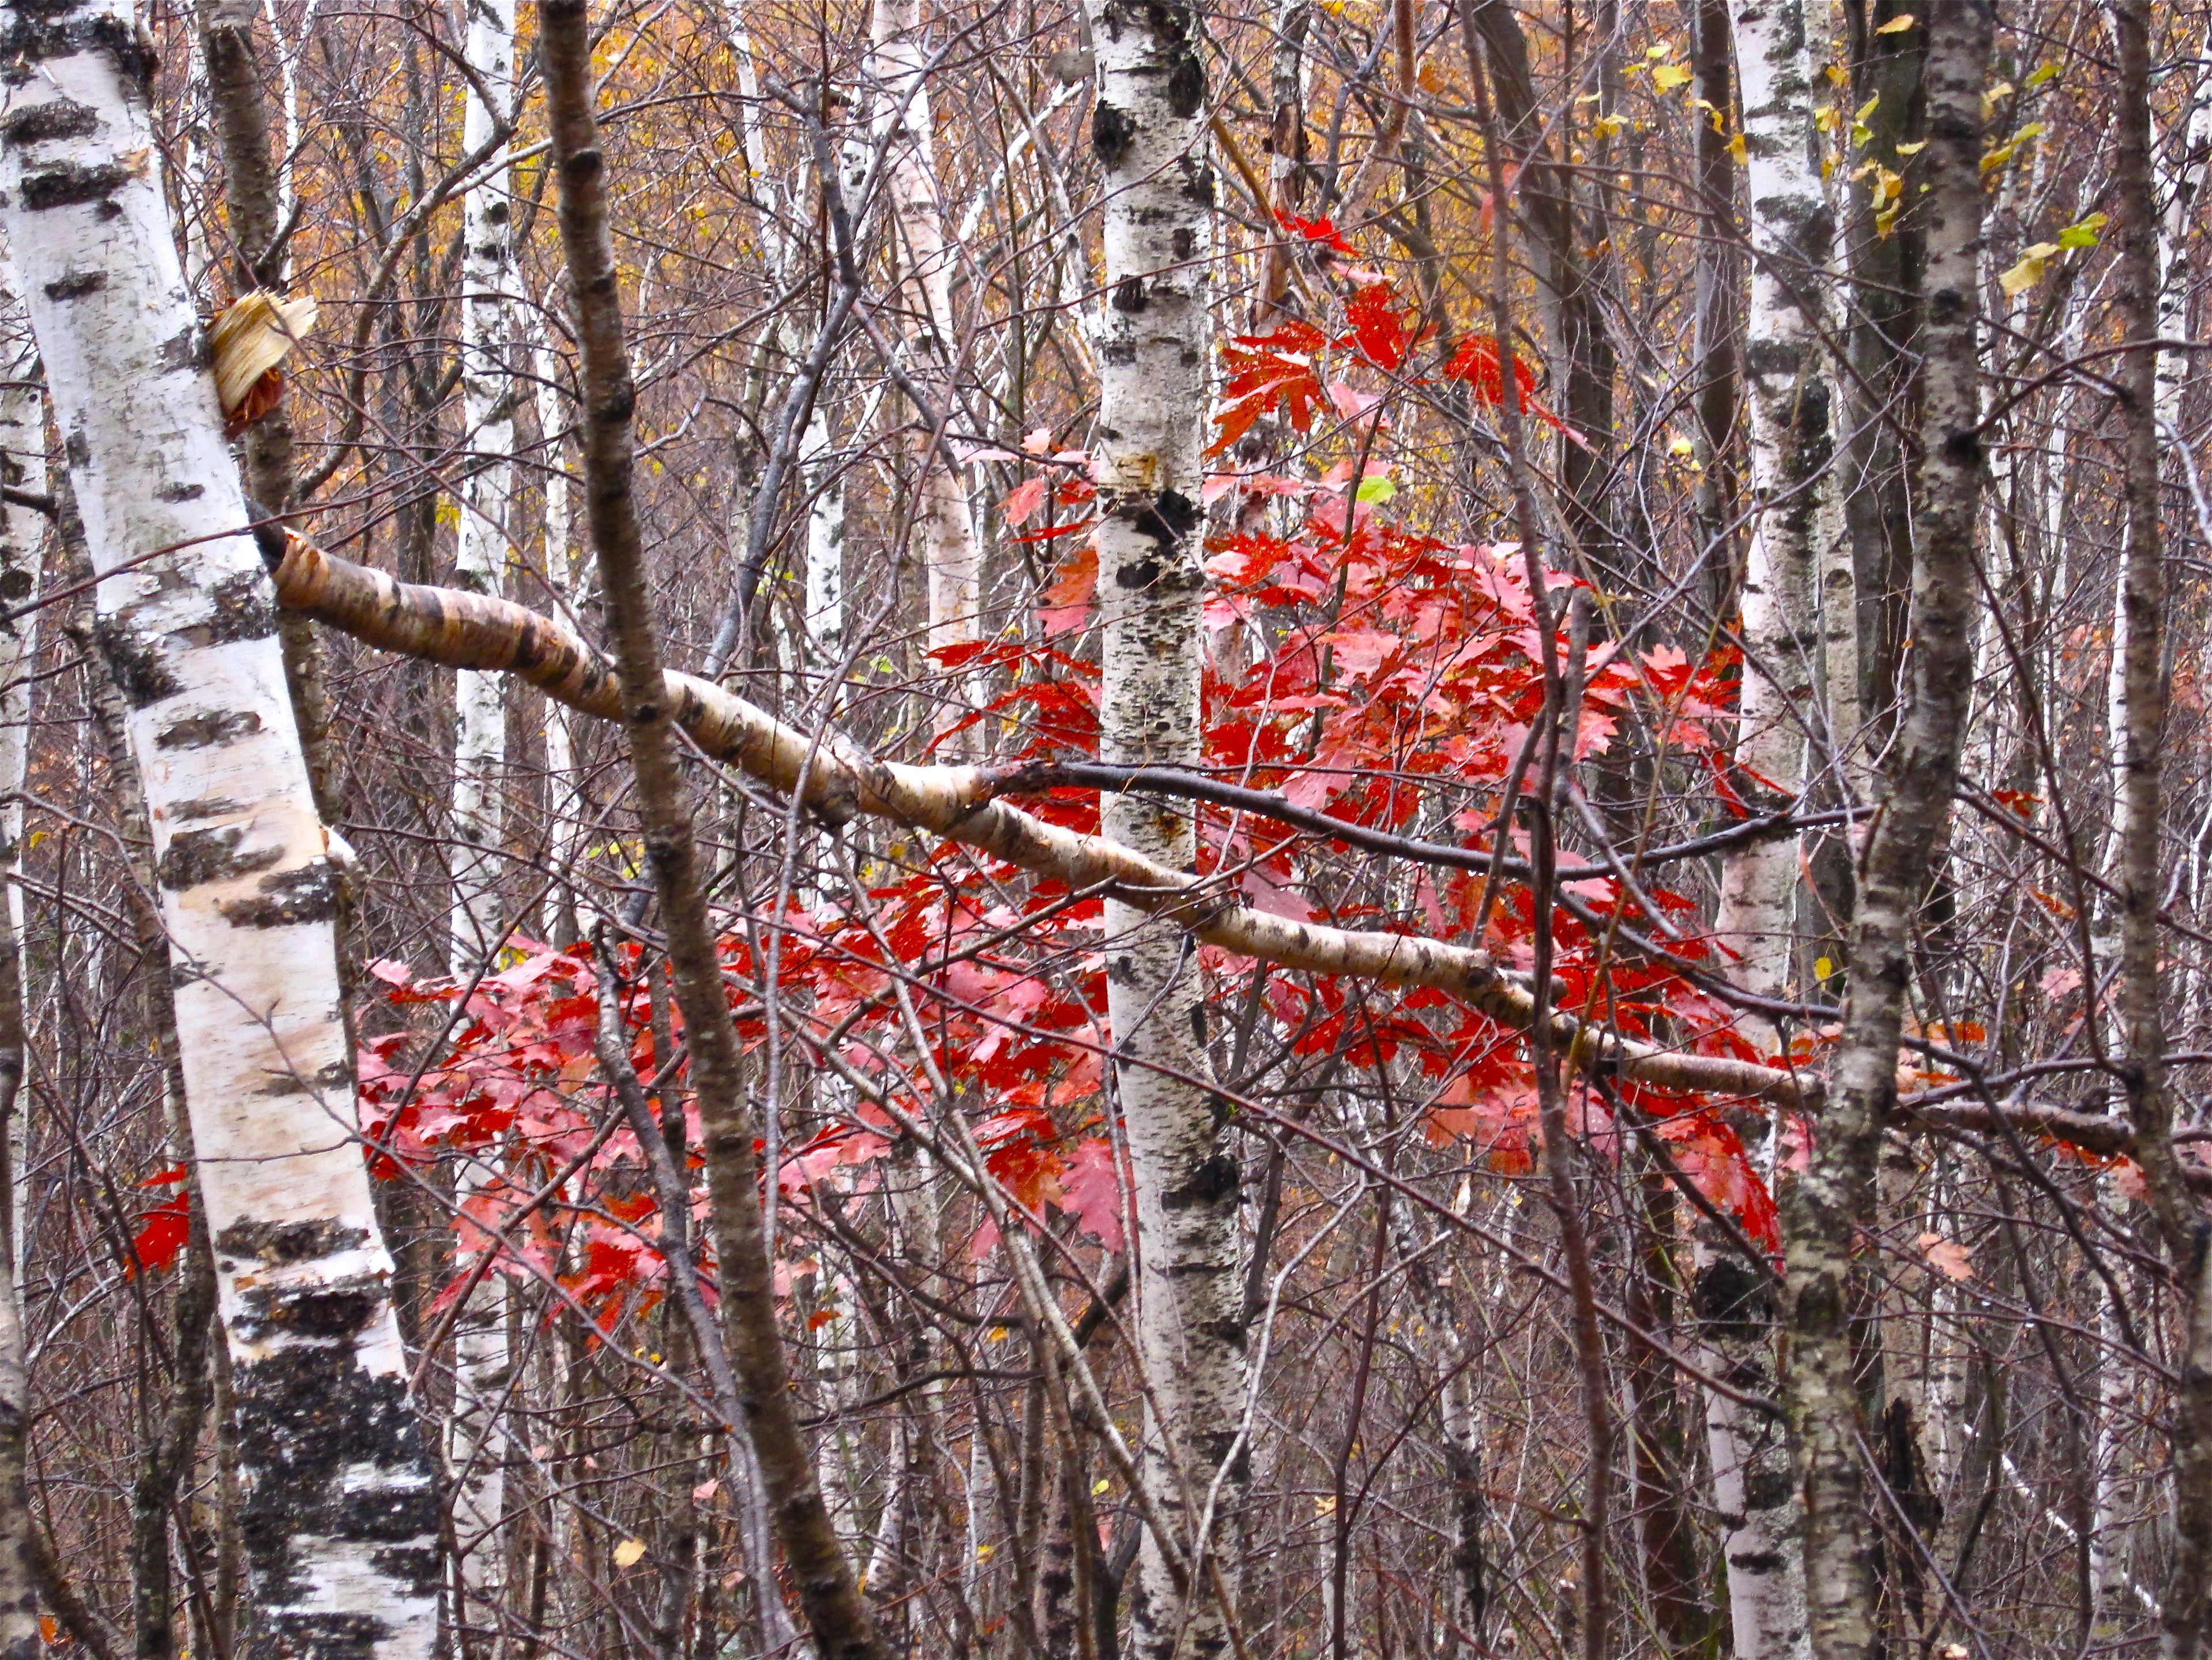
(839, 1620)
(340, 1502)
(254, 211)
(1150, 135)
(2186, 1597)
(1828, 1207)
(1787, 403)
(952, 554)
(489, 395)
(489, 391)
(1762, 1523)
(22, 449)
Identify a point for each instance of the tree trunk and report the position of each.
(1149, 133)
(1828, 1208)
(490, 392)
(340, 1502)
(952, 551)
(838, 1619)
(1762, 1523)
(1787, 401)
(22, 449)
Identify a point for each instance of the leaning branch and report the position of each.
(840, 782)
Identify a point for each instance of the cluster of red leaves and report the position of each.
(1399, 667)
(1287, 371)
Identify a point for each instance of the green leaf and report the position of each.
(2082, 232)
(1377, 489)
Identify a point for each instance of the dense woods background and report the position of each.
(1679, 527)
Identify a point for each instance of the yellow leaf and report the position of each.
(1667, 77)
(1736, 148)
(1822, 968)
(1898, 25)
(1100, 1485)
(629, 1552)
(2029, 271)
(1912, 149)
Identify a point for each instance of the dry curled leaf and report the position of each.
(1946, 1255)
(250, 337)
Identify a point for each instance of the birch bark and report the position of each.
(1827, 1208)
(340, 1508)
(1787, 401)
(1149, 133)
(489, 394)
(952, 551)
(22, 445)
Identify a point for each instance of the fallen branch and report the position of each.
(840, 782)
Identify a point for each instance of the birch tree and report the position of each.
(1832, 1201)
(1148, 131)
(489, 395)
(1787, 400)
(340, 1501)
(905, 141)
(22, 448)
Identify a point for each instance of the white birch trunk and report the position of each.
(22, 539)
(2184, 188)
(824, 645)
(480, 545)
(560, 570)
(1754, 1488)
(952, 553)
(1787, 403)
(23, 464)
(489, 395)
(1149, 133)
(341, 1507)
(1787, 406)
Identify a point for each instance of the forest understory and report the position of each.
(1103, 830)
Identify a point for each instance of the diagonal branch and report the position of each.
(840, 782)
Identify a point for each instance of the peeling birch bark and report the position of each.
(341, 1508)
(1149, 133)
(839, 781)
